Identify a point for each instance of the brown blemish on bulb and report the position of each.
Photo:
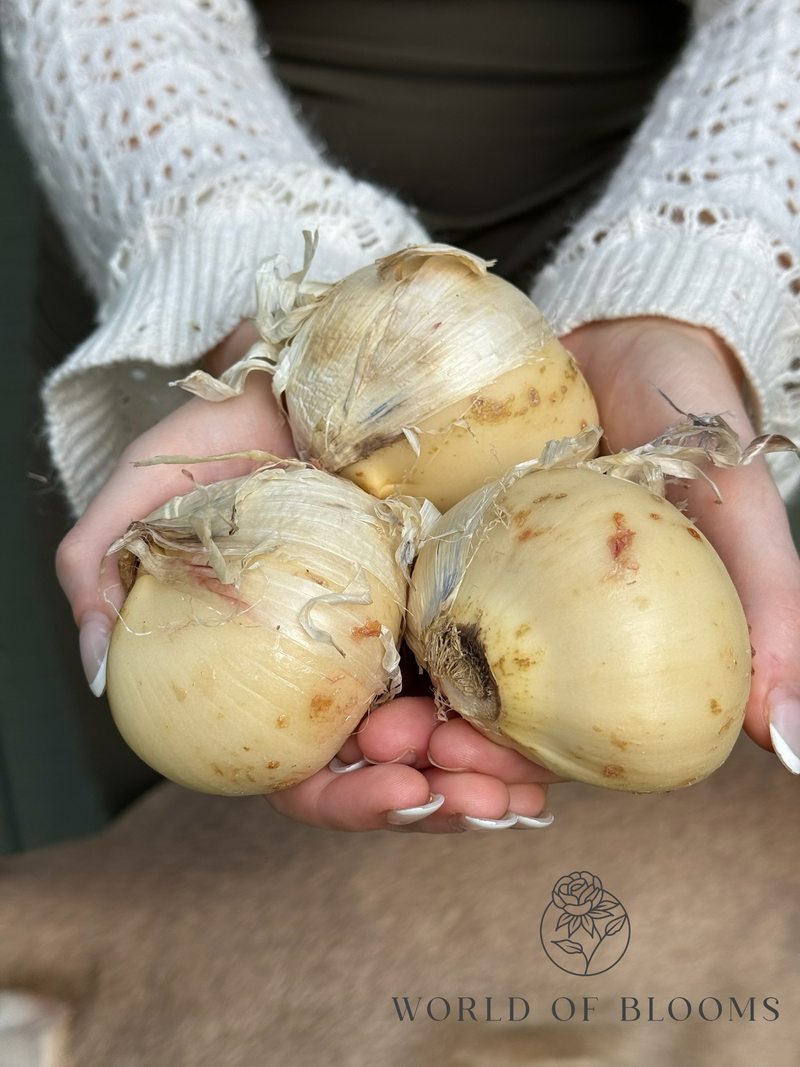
(563, 388)
(485, 409)
(526, 533)
(523, 662)
(694, 533)
(320, 703)
(293, 780)
(560, 496)
(613, 770)
(571, 371)
(655, 515)
(215, 767)
(686, 781)
(597, 729)
(519, 518)
(716, 707)
(246, 748)
(725, 727)
(619, 743)
(533, 396)
(371, 628)
(541, 499)
(179, 691)
(620, 543)
(274, 764)
(524, 629)
(282, 722)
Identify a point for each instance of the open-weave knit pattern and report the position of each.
(701, 222)
(175, 164)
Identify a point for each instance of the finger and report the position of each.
(457, 746)
(357, 801)
(750, 531)
(94, 590)
(478, 802)
(399, 730)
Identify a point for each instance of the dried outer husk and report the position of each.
(425, 353)
(263, 620)
(458, 627)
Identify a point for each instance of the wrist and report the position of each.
(230, 349)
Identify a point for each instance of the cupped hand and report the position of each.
(197, 428)
(626, 362)
(346, 801)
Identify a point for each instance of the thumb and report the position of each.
(750, 531)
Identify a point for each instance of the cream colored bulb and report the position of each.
(587, 623)
(423, 373)
(262, 623)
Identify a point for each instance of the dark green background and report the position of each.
(63, 769)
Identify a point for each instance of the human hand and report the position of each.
(625, 362)
(342, 801)
(404, 769)
(197, 428)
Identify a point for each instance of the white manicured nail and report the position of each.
(470, 822)
(407, 759)
(784, 729)
(530, 822)
(404, 816)
(338, 767)
(94, 640)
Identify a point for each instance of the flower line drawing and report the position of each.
(582, 902)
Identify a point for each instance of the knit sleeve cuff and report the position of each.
(184, 281)
(724, 281)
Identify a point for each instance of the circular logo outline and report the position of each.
(585, 908)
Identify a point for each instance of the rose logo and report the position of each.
(585, 929)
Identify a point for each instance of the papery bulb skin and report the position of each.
(253, 684)
(482, 435)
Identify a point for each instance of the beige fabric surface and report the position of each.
(207, 932)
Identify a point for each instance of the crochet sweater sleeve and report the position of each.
(174, 164)
(701, 222)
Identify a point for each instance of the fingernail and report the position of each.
(469, 822)
(784, 729)
(439, 766)
(407, 758)
(338, 767)
(404, 816)
(94, 641)
(530, 822)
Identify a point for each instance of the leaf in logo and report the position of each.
(568, 946)
(563, 921)
(588, 925)
(598, 913)
(615, 926)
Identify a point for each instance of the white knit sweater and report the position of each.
(175, 164)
